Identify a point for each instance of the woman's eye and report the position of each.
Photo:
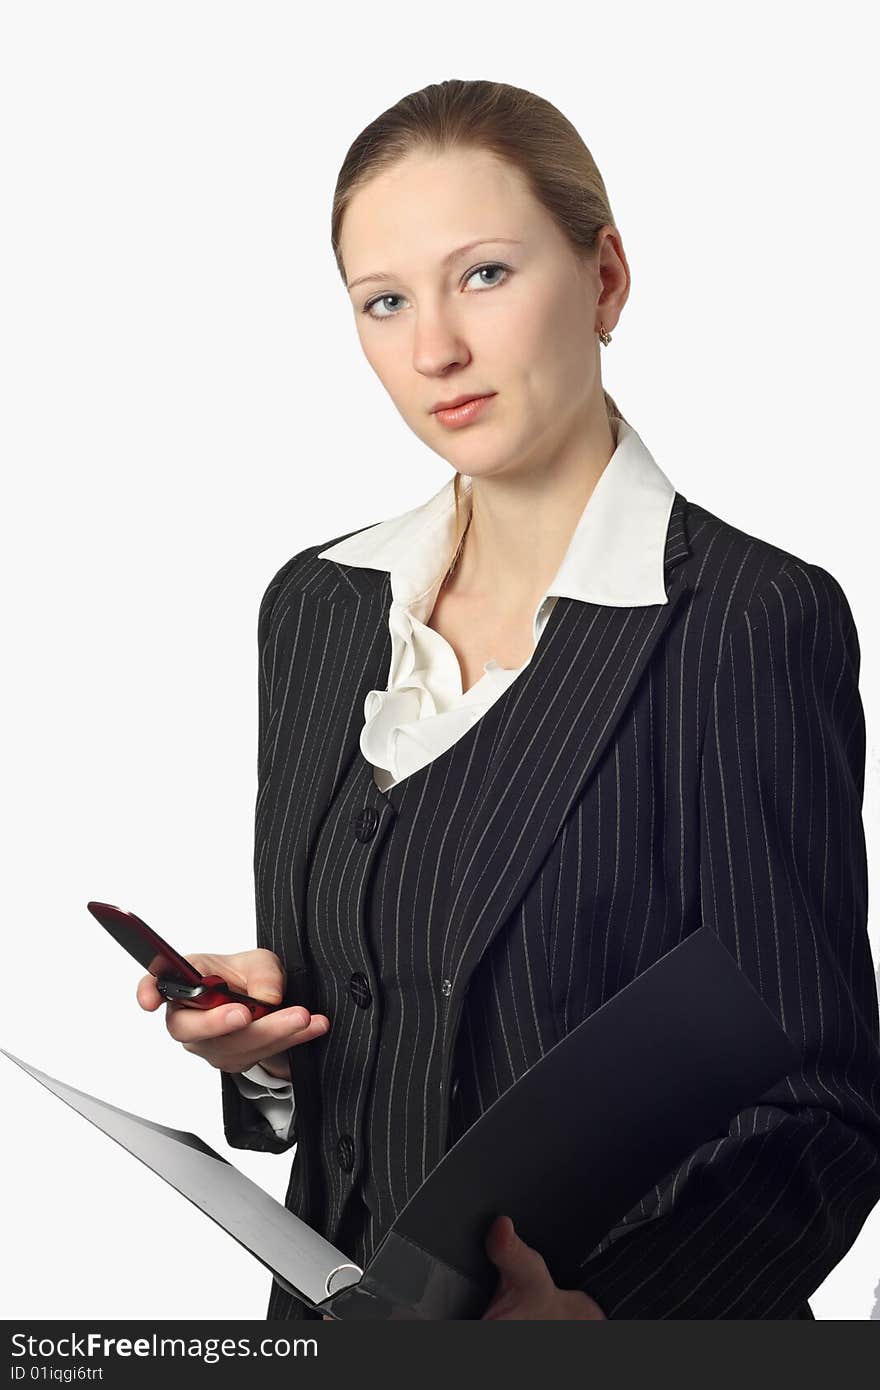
(479, 270)
(382, 299)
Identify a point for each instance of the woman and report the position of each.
(519, 742)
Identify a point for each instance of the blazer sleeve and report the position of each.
(245, 1124)
(752, 1223)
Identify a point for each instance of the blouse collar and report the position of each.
(615, 556)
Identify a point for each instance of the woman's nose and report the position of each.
(437, 345)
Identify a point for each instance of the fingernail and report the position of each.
(237, 1017)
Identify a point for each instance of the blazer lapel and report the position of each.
(558, 718)
(348, 651)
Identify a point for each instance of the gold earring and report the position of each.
(604, 335)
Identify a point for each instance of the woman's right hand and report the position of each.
(227, 1037)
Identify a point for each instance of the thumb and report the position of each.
(267, 983)
(522, 1267)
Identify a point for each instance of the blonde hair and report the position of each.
(514, 124)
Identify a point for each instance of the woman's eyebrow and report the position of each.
(447, 259)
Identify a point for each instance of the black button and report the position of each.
(359, 989)
(345, 1152)
(364, 823)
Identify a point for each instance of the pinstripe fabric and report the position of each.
(652, 769)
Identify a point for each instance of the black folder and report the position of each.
(569, 1149)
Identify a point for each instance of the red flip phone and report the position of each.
(176, 978)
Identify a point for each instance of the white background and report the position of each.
(186, 406)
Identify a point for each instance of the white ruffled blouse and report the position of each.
(424, 710)
(615, 557)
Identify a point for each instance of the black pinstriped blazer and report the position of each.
(699, 762)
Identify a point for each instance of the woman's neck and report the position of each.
(519, 527)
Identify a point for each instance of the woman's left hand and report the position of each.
(526, 1289)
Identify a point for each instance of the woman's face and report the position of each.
(516, 315)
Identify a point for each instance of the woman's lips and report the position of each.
(463, 414)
